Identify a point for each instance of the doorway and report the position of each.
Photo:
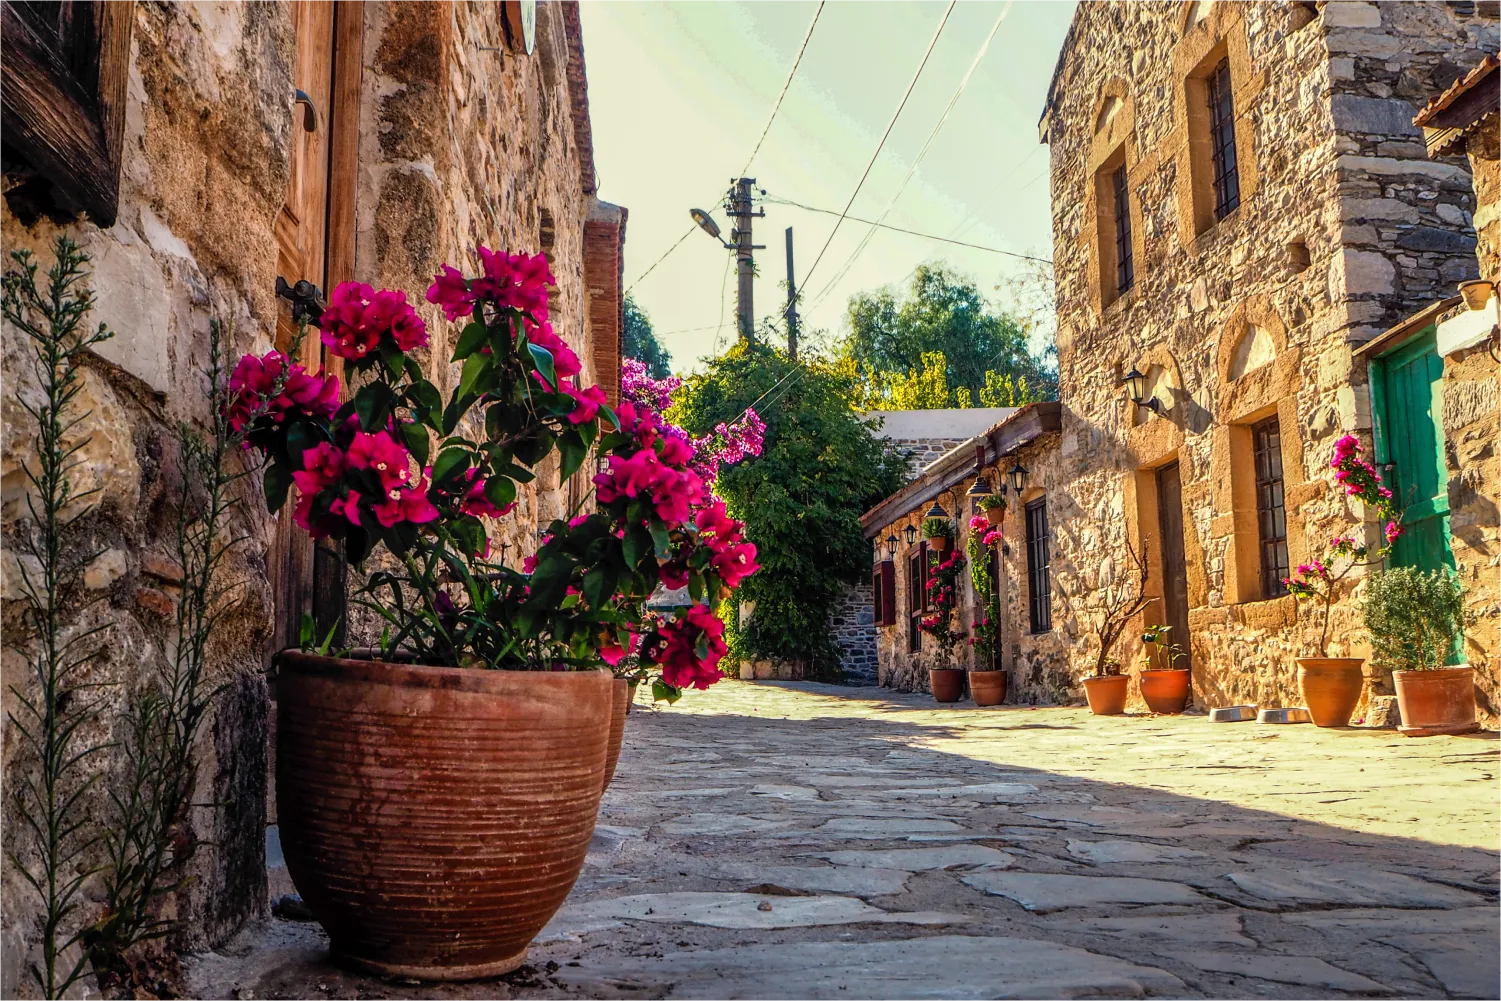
(1408, 394)
(1174, 569)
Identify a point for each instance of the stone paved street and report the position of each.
(801, 840)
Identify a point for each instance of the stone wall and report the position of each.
(852, 624)
(1343, 228)
(457, 145)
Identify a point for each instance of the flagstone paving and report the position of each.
(810, 841)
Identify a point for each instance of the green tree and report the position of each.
(819, 470)
(892, 334)
(641, 342)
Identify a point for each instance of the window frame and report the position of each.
(1039, 566)
(916, 595)
(1125, 259)
(1219, 90)
(1270, 487)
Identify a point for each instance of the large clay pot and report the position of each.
(1331, 688)
(1436, 702)
(995, 515)
(1107, 694)
(434, 818)
(987, 688)
(621, 693)
(947, 683)
(1164, 691)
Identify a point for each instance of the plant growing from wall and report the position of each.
(1119, 604)
(943, 598)
(1320, 581)
(55, 716)
(987, 630)
(1416, 618)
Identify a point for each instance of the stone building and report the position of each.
(1240, 202)
(211, 148)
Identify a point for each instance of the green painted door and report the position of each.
(1408, 397)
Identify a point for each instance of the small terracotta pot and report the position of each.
(947, 683)
(1477, 292)
(1107, 694)
(987, 688)
(995, 515)
(621, 694)
(940, 543)
(1436, 702)
(1164, 691)
(434, 818)
(1331, 688)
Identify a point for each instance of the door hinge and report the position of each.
(305, 297)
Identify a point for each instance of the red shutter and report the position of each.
(888, 593)
(875, 595)
(922, 575)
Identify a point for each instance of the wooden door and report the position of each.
(1407, 385)
(1174, 569)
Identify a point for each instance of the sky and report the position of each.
(679, 93)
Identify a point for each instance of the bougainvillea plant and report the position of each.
(943, 601)
(986, 638)
(726, 445)
(401, 468)
(1320, 579)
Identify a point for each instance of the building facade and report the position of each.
(1241, 202)
(220, 147)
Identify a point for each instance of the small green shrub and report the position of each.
(1415, 617)
(937, 528)
(991, 501)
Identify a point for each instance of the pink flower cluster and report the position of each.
(660, 473)
(1361, 480)
(254, 381)
(325, 467)
(637, 385)
(471, 499)
(979, 523)
(727, 444)
(673, 647)
(511, 281)
(734, 559)
(358, 318)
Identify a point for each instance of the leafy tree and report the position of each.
(943, 312)
(820, 468)
(641, 342)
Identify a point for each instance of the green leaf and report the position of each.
(661, 691)
(500, 491)
(599, 586)
(451, 463)
(473, 337)
(306, 632)
(663, 541)
(474, 378)
(373, 404)
(636, 544)
(423, 397)
(573, 453)
(696, 588)
(278, 481)
(543, 359)
(611, 415)
(418, 442)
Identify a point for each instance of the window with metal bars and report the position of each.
(1039, 574)
(1222, 141)
(1125, 266)
(916, 596)
(1271, 510)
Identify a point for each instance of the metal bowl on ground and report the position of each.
(1232, 714)
(1294, 714)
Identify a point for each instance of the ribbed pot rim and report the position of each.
(463, 679)
(990, 670)
(1112, 677)
(1329, 661)
(1155, 670)
(1437, 672)
(940, 670)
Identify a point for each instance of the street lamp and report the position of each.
(1017, 475)
(911, 533)
(708, 225)
(891, 544)
(1136, 388)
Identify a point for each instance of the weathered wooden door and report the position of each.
(1174, 569)
(1408, 395)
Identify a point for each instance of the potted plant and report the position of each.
(946, 681)
(1120, 602)
(1163, 686)
(987, 682)
(1416, 620)
(436, 799)
(993, 507)
(939, 532)
(1331, 686)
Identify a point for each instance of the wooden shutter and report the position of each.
(879, 610)
(924, 600)
(888, 593)
(63, 73)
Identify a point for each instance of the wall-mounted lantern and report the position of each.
(1136, 388)
(891, 544)
(936, 511)
(981, 488)
(911, 532)
(1017, 475)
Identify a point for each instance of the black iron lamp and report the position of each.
(980, 488)
(911, 532)
(1136, 388)
(1017, 475)
(891, 544)
(936, 511)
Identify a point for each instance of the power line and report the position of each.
(909, 232)
(923, 152)
(790, 74)
(879, 146)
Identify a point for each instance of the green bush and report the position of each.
(1415, 618)
(937, 528)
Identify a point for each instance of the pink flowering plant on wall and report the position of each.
(401, 467)
(941, 622)
(984, 539)
(1319, 580)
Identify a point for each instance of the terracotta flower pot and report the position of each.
(939, 543)
(1477, 293)
(621, 693)
(1331, 688)
(987, 688)
(1164, 691)
(1107, 694)
(947, 683)
(1436, 702)
(434, 818)
(995, 515)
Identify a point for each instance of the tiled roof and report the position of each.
(1456, 90)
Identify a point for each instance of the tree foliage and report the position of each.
(820, 468)
(900, 344)
(641, 342)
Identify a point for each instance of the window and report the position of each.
(1271, 512)
(1222, 140)
(1039, 587)
(63, 69)
(1125, 272)
(917, 595)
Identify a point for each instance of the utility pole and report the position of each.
(738, 205)
(791, 302)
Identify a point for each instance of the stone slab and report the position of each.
(1130, 851)
(741, 911)
(875, 828)
(924, 859)
(718, 823)
(1469, 966)
(1305, 971)
(855, 880)
(784, 792)
(1348, 886)
(1376, 921)
(1196, 929)
(988, 792)
(944, 966)
(1043, 892)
